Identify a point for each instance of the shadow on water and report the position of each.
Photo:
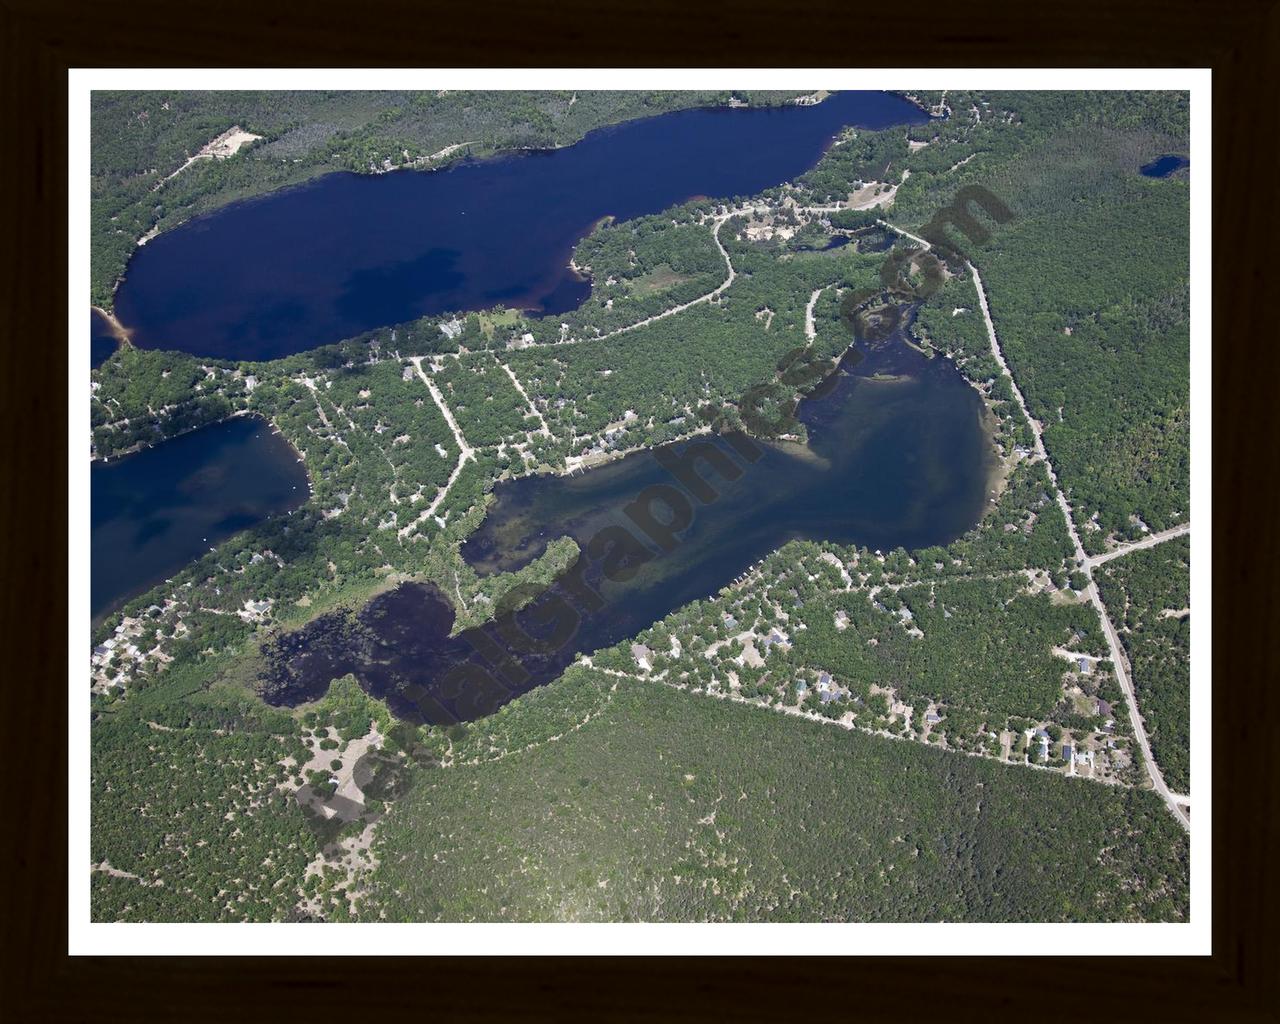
(897, 456)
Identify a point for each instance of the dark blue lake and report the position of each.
(346, 253)
(102, 339)
(1164, 166)
(154, 511)
(898, 455)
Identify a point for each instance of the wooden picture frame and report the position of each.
(41, 41)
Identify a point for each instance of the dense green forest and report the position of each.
(1148, 597)
(485, 403)
(1088, 285)
(666, 806)
(710, 355)
(217, 840)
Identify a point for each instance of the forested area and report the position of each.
(1148, 598)
(711, 354)
(986, 645)
(666, 806)
(487, 406)
(1088, 286)
(186, 810)
(140, 397)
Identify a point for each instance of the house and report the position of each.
(933, 717)
(1104, 708)
(643, 656)
(824, 680)
(1086, 667)
(255, 610)
(730, 622)
(802, 688)
(1066, 752)
(451, 329)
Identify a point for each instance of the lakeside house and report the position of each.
(643, 656)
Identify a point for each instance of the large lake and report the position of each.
(154, 511)
(347, 252)
(897, 455)
(102, 339)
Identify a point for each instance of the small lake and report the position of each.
(897, 455)
(346, 253)
(154, 511)
(1164, 166)
(102, 339)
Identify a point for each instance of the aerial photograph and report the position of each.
(607, 505)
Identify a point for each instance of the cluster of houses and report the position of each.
(111, 657)
(1073, 756)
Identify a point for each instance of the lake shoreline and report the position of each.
(160, 510)
(449, 161)
(427, 244)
